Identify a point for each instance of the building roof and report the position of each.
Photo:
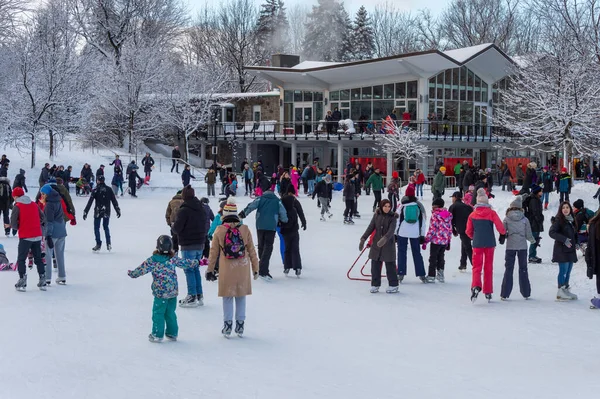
(486, 60)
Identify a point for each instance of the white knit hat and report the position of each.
(230, 208)
(482, 197)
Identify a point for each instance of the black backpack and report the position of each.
(5, 193)
(526, 210)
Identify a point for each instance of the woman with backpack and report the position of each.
(411, 228)
(232, 245)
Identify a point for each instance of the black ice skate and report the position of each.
(474, 293)
(227, 326)
(239, 328)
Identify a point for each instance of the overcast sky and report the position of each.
(351, 5)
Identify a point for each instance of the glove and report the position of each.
(595, 196)
(454, 232)
(361, 245)
(73, 222)
(210, 276)
(85, 216)
(424, 247)
(537, 242)
(568, 243)
(382, 241)
(49, 242)
(421, 240)
(242, 215)
(118, 210)
(256, 275)
(502, 239)
(304, 227)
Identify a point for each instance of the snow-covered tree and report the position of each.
(328, 33)
(404, 144)
(298, 17)
(11, 13)
(394, 31)
(362, 38)
(273, 27)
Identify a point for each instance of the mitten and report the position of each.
(502, 239)
(424, 247)
(84, 215)
(421, 240)
(361, 245)
(242, 215)
(49, 242)
(381, 242)
(210, 276)
(256, 275)
(118, 210)
(73, 222)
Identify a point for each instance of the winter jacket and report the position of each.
(469, 199)
(534, 211)
(411, 230)
(132, 176)
(294, 211)
(478, 185)
(420, 179)
(210, 177)
(349, 191)
(480, 226)
(117, 179)
(283, 185)
(469, 178)
(44, 176)
(3, 257)
(66, 178)
(582, 217)
(190, 224)
(518, 231)
(506, 174)
(234, 274)
(592, 252)
(175, 153)
(559, 233)
(394, 188)
(164, 276)
(547, 182)
(460, 214)
(55, 218)
(565, 183)
(27, 218)
(528, 180)
(519, 173)
(375, 182)
(87, 174)
(323, 190)
(66, 197)
(384, 225)
(99, 172)
(20, 180)
(248, 174)
(295, 177)
(439, 183)
(440, 227)
(186, 175)
(6, 198)
(147, 163)
(172, 208)
(210, 216)
(104, 196)
(131, 167)
(4, 171)
(269, 211)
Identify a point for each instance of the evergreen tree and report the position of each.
(363, 38)
(273, 27)
(328, 33)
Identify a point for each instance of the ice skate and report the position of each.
(171, 337)
(595, 303)
(21, 284)
(266, 277)
(569, 293)
(61, 281)
(400, 278)
(97, 247)
(392, 290)
(502, 298)
(462, 269)
(356, 215)
(227, 326)
(188, 302)
(42, 283)
(323, 218)
(108, 247)
(440, 276)
(474, 293)
(535, 259)
(298, 272)
(424, 279)
(286, 271)
(430, 280)
(239, 328)
(488, 297)
(154, 338)
(374, 290)
(562, 295)
(329, 215)
(200, 300)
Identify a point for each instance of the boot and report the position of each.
(569, 293)
(97, 247)
(239, 328)
(21, 284)
(562, 295)
(440, 276)
(227, 327)
(546, 206)
(42, 283)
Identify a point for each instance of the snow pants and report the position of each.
(266, 238)
(163, 311)
(466, 250)
(291, 257)
(509, 265)
(390, 271)
(23, 250)
(436, 258)
(483, 261)
(415, 248)
(59, 252)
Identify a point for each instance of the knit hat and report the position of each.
(18, 192)
(230, 208)
(535, 188)
(410, 191)
(394, 175)
(545, 168)
(100, 179)
(188, 193)
(443, 169)
(578, 204)
(46, 189)
(438, 202)
(517, 202)
(563, 170)
(482, 197)
(52, 180)
(59, 180)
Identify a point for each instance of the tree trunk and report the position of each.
(130, 132)
(33, 149)
(51, 145)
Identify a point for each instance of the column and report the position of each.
(423, 109)
(389, 166)
(249, 151)
(340, 161)
(326, 160)
(294, 155)
(202, 155)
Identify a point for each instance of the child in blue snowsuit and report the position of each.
(162, 265)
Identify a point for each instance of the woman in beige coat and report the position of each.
(232, 245)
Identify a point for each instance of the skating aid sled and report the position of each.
(365, 277)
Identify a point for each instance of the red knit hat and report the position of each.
(394, 175)
(18, 192)
(410, 191)
(563, 170)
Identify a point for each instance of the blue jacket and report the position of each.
(269, 211)
(248, 174)
(55, 222)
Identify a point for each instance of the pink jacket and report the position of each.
(440, 227)
(295, 177)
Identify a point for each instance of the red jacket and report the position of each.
(27, 218)
(421, 178)
(480, 226)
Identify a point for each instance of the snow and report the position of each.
(321, 336)
(315, 64)
(463, 54)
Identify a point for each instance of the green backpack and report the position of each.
(411, 214)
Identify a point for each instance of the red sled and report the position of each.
(147, 180)
(364, 276)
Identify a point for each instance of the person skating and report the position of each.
(564, 234)
(394, 190)
(269, 213)
(117, 163)
(419, 183)
(44, 175)
(532, 206)
(529, 178)
(564, 185)
(148, 164)
(480, 228)
(132, 175)
(6, 200)
(383, 248)
(547, 186)
(233, 247)
(518, 232)
(519, 174)
(187, 175)
(27, 219)
(100, 172)
(439, 235)
(56, 233)
(20, 180)
(324, 191)
(190, 227)
(468, 180)
(176, 156)
(210, 217)
(289, 231)
(439, 183)
(349, 195)
(4, 169)
(162, 264)
(248, 177)
(284, 182)
(460, 215)
(117, 181)
(410, 228)
(210, 179)
(103, 196)
(375, 182)
(171, 216)
(592, 257)
(87, 174)
(506, 179)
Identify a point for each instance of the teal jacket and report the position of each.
(269, 211)
(216, 223)
(375, 181)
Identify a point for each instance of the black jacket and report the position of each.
(592, 253)
(148, 162)
(104, 196)
(44, 176)
(294, 210)
(87, 174)
(349, 191)
(460, 214)
(20, 180)
(186, 175)
(190, 224)
(175, 153)
(4, 170)
(322, 189)
(534, 212)
(559, 233)
(133, 174)
(99, 172)
(283, 186)
(6, 202)
(469, 178)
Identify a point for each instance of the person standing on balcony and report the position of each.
(336, 117)
(329, 122)
(176, 155)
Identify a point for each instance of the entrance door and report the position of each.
(303, 117)
(480, 119)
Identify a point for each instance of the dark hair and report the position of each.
(383, 203)
(560, 218)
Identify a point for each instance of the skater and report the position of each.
(269, 213)
(349, 195)
(289, 231)
(468, 180)
(518, 232)
(104, 197)
(439, 235)
(480, 228)
(394, 190)
(233, 248)
(383, 249)
(190, 227)
(171, 216)
(248, 177)
(520, 175)
(564, 234)
(529, 177)
(117, 181)
(210, 217)
(439, 183)
(532, 206)
(210, 179)
(460, 215)
(44, 175)
(6, 201)
(410, 228)
(148, 164)
(324, 191)
(375, 182)
(295, 178)
(88, 175)
(162, 265)
(4, 169)
(592, 257)
(99, 172)
(117, 163)
(67, 177)
(507, 179)
(419, 182)
(187, 175)
(27, 219)
(548, 186)
(176, 156)
(56, 233)
(20, 180)
(284, 182)
(132, 175)
(565, 183)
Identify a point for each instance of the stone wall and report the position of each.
(269, 108)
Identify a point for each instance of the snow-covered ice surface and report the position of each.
(321, 336)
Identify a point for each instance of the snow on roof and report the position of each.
(314, 64)
(463, 54)
(274, 93)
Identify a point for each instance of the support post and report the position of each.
(294, 156)
(249, 151)
(340, 161)
(389, 166)
(202, 155)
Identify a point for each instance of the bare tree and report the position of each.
(11, 12)
(395, 31)
(298, 17)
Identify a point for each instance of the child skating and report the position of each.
(439, 235)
